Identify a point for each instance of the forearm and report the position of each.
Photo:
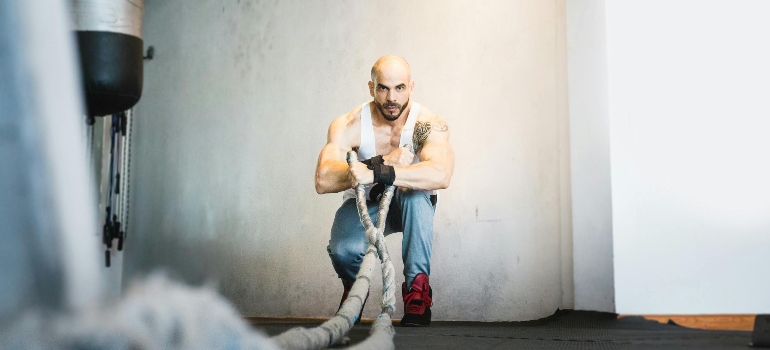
(332, 177)
(426, 175)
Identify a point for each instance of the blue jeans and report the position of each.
(410, 212)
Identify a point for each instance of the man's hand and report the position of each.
(399, 158)
(359, 174)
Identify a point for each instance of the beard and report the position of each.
(388, 117)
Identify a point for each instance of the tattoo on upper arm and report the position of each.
(422, 131)
(440, 126)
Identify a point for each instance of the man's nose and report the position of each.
(391, 96)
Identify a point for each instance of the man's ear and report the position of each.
(371, 88)
(411, 87)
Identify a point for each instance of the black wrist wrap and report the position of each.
(384, 174)
(373, 162)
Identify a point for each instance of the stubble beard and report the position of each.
(387, 117)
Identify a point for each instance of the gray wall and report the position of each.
(236, 106)
(590, 156)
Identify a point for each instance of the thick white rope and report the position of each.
(333, 331)
(154, 314)
(388, 272)
(160, 314)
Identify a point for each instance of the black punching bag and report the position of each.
(109, 34)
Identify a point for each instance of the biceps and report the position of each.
(331, 152)
(439, 153)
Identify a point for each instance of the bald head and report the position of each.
(391, 86)
(391, 66)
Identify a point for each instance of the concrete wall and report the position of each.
(236, 106)
(689, 122)
(590, 156)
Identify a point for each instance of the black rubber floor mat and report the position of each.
(563, 330)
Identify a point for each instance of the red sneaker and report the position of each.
(345, 293)
(417, 302)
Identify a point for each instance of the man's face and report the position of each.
(391, 92)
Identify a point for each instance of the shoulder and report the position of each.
(427, 118)
(429, 129)
(346, 127)
(348, 119)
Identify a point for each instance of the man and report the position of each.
(403, 144)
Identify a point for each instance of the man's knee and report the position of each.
(345, 254)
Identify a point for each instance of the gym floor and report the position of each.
(563, 330)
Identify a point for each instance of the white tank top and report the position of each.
(367, 148)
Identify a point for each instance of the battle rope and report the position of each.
(333, 331)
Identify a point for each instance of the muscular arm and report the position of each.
(434, 171)
(331, 174)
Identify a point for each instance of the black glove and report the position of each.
(373, 162)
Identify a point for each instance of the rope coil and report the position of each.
(333, 331)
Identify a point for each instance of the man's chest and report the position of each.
(387, 139)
